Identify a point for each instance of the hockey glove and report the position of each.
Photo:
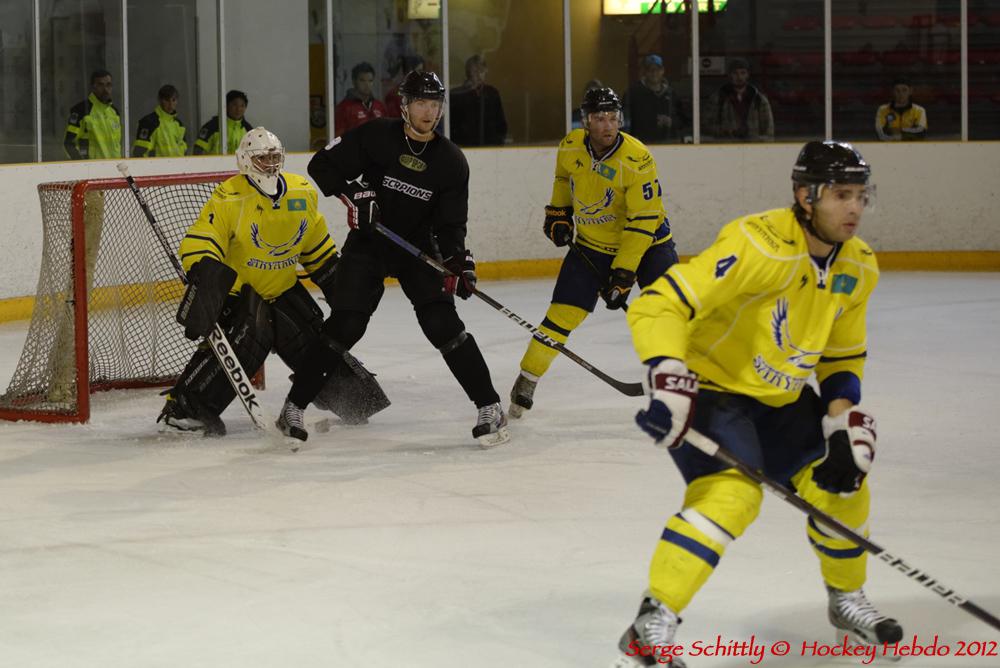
(208, 286)
(462, 280)
(850, 450)
(359, 199)
(559, 224)
(672, 393)
(615, 294)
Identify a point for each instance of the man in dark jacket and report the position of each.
(738, 111)
(477, 117)
(652, 110)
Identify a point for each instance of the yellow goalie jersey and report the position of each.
(263, 240)
(617, 202)
(754, 314)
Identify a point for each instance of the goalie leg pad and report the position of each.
(297, 323)
(246, 320)
(350, 390)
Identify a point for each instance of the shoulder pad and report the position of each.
(574, 139)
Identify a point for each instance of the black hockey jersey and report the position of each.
(422, 188)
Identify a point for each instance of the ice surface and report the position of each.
(401, 543)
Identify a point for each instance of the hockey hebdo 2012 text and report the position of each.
(757, 651)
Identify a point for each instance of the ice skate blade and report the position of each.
(515, 411)
(859, 641)
(499, 437)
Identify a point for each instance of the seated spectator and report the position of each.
(393, 100)
(652, 110)
(94, 129)
(210, 136)
(591, 85)
(359, 104)
(739, 111)
(477, 117)
(901, 120)
(161, 133)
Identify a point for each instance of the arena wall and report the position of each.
(936, 208)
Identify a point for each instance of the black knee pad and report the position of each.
(246, 321)
(297, 323)
(440, 324)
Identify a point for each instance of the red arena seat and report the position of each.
(879, 21)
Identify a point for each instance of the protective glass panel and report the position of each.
(507, 73)
(984, 69)
(17, 99)
(762, 72)
(81, 61)
(896, 70)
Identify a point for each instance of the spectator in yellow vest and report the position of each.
(901, 120)
(210, 138)
(161, 133)
(94, 129)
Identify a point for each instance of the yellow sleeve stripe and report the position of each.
(329, 250)
(209, 239)
(317, 246)
(201, 252)
(680, 293)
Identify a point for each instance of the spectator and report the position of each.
(738, 110)
(593, 84)
(901, 120)
(359, 104)
(652, 110)
(161, 133)
(393, 100)
(210, 138)
(94, 129)
(477, 117)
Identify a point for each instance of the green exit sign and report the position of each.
(659, 7)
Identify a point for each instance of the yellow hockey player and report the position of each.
(739, 330)
(607, 190)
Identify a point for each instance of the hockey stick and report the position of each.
(628, 389)
(217, 340)
(593, 268)
(713, 449)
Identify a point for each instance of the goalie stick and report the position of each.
(628, 389)
(216, 339)
(713, 449)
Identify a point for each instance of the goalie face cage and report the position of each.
(107, 295)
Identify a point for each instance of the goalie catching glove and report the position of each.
(362, 210)
(559, 224)
(672, 392)
(462, 281)
(850, 450)
(209, 282)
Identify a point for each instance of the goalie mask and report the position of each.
(261, 157)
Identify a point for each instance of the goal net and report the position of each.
(107, 295)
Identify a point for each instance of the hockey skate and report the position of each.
(491, 426)
(852, 613)
(522, 394)
(290, 422)
(647, 641)
(179, 414)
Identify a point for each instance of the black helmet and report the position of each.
(600, 99)
(421, 85)
(822, 162)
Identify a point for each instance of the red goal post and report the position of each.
(107, 295)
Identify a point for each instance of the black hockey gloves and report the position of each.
(462, 281)
(362, 211)
(672, 392)
(208, 286)
(559, 224)
(850, 450)
(615, 293)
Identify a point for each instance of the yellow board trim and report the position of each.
(20, 308)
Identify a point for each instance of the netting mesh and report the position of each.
(132, 294)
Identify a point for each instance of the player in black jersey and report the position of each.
(416, 183)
